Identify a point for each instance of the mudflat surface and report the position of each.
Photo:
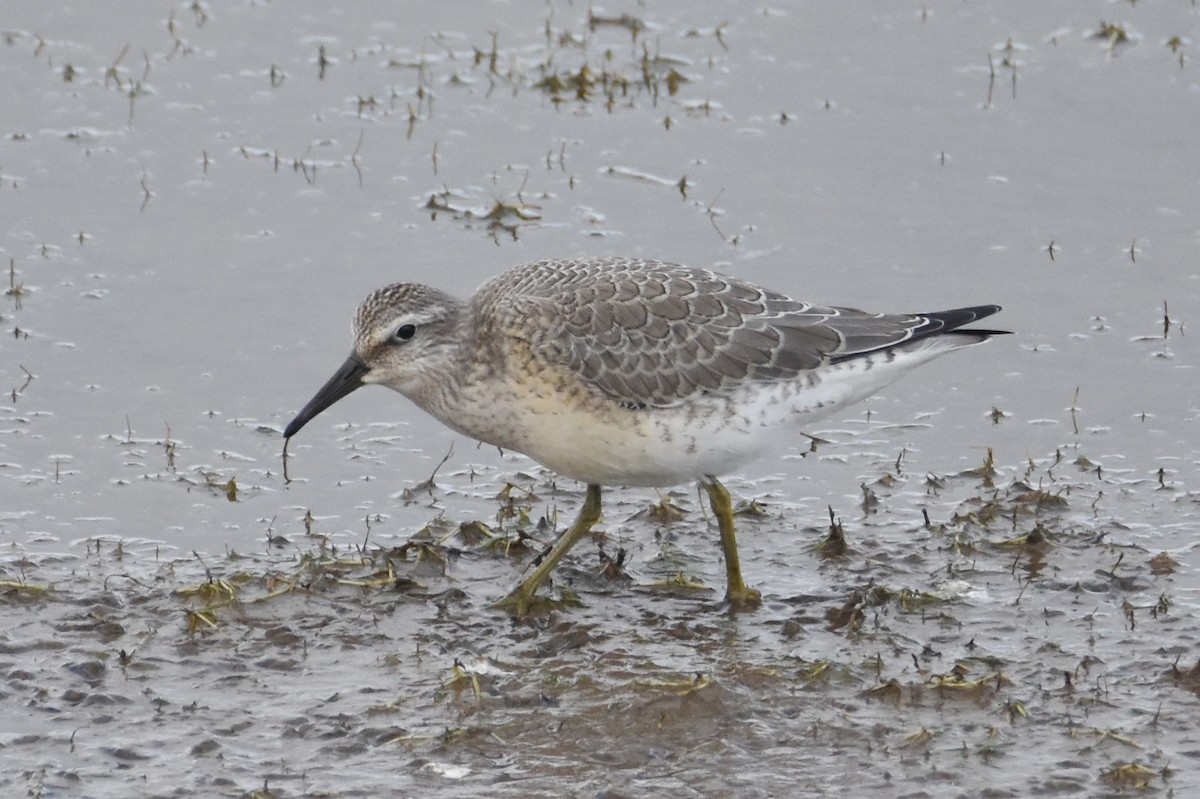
(194, 198)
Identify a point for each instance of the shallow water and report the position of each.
(193, 201)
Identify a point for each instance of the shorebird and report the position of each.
(622, 371)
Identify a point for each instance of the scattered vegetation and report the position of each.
(938, 628)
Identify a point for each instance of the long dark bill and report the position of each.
(345, 380)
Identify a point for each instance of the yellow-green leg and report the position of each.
(736, 592)
(521, 599)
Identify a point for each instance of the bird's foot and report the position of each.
(742, 598)
(524, 600)
(517, 602)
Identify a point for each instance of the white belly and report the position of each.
(669, 446)
(603, 443)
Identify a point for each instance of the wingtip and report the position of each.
(955, 318)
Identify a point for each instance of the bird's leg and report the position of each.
(521, 599)
(736, 592)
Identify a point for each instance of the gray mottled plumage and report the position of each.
(624, 371)
(652, 333)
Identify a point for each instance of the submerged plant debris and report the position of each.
(985, 587)
(960, 639)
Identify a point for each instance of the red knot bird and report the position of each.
(628, 372)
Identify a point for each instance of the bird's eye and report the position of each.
(405, 332)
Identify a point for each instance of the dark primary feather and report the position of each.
(881, 332)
